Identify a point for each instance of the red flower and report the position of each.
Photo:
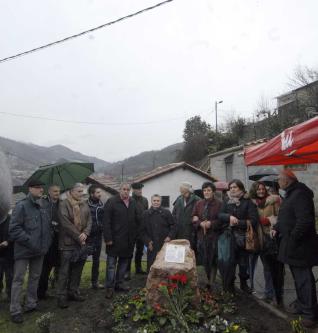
(179, 278)
(183, 279)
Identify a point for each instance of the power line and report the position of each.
(91, 122)
(21, 54)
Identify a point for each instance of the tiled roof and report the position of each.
(107, 182)
(169, 168)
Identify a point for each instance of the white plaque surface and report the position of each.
(175, 253)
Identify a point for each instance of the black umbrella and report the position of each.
(269, 180)
(260, 173)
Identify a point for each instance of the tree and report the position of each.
(196, 139)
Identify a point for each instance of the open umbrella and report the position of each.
(63, 174)
(268, 171)
(269, 180)
(221, 186)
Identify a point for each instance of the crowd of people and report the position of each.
(48, 236)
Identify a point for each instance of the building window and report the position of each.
(165, 201)
(228, 160)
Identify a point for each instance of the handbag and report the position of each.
(251, 238)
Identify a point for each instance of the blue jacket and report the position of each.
(30, 229)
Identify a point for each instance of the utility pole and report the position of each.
(216, 115)
(122, 172)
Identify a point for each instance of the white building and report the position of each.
(166, 180)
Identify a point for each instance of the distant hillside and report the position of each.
(145, 161)
(24, 158)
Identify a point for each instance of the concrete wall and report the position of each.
(168, 184)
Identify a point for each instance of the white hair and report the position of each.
(76, 185)
(5, 187)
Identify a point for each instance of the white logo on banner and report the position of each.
(287, 140)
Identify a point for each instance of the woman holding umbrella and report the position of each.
(205, 220)
(268, 206)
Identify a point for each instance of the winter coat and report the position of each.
(207, 242)
(143, 205)
(296, 227)
(245, 210)
(157, 224)
(30, 229)
(68, 232)
(183, 216)
(52, 256)
(267, 211)
(6, 253)
(97, 214)
(121, 226)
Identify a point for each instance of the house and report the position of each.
(165, 181)
(229, 164)
(108, 185)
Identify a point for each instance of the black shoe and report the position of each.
(17, 319)
(127, 277)
(122, 288)
(109, 293)
(96, 286)
(293, 309)
(308, 323)
(76, 298)
(244, 287)
(62, 303)
(29, 310)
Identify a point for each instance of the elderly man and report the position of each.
(51, 204)
(142, 204)
(30, 229)
(75, 226)
(121, 223)
(182, 212)
(158, 227)
(296, 230)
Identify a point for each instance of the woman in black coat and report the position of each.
(158, 226)
(233, 219)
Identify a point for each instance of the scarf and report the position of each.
(261, 202)
(76, 211)
(235, 199)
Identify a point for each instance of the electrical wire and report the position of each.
(39, 48)
(92, 122)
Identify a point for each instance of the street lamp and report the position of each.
(216, 115)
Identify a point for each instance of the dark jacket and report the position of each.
(68, 232)
(121, 226)
(6, 253)
(183, 216)
(142, 202)
(157, 224)
(296, 227)
(52, 208)
(97, 214)
(30, 229)
(246, 210)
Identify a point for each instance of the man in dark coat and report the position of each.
(298, 243)
(6, 255)
(158, 226)
(51, 204)
(182, 213)
(96, 236)
(121, 224)
(142, 204)
(30, 229)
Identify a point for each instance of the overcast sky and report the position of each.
(160, 67)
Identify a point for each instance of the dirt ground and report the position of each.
(95, 315)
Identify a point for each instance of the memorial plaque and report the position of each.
(175, 253)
